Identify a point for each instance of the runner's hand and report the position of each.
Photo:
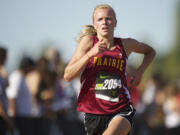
(136, 78)
(99, 47)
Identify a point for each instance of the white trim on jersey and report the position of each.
(104, 97)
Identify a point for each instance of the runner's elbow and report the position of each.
(67, 78)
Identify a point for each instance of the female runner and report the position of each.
(100, 58)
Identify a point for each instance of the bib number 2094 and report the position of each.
(111, 84)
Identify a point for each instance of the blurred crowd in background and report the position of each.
(35, 100)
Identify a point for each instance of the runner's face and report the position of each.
(104, 22)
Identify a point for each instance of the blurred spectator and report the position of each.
(18, 91)
(56, 64)
(64, 102)
(154, 84)
(150, 115)
(45, 86)
(6, 123)
(172, 109)
(43, 91)
(20, 99)
(62, 99)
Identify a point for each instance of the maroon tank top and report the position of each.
(103, 82)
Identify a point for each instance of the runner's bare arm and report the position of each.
(79, 59)
(132, 45)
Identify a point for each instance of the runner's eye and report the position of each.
(108, 19)
(100, 19)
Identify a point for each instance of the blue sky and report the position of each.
(25, 25)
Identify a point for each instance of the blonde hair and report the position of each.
(89, 29)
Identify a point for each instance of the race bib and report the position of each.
(108, 86)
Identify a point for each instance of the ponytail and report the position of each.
(88, 30)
